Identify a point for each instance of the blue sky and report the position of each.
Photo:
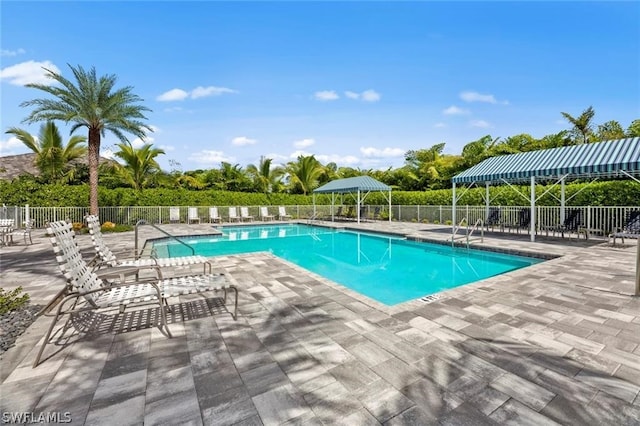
(357, 83)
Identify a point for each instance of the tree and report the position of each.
(582, 126)
(609, 131)
(634, 129)
(304, 173)
(140, 164)
(52, 155)
(94, 103)
(266, 178)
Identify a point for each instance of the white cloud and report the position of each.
(352, 95)
(243, 140)
(338, 159)
(454, 110)
(440, 125)
(198, 92)
(304, 143)
(298, 153)
(173, 109)
(370, 96)
(107, 153)
(326, 95)
(167, 148)
(211, 158)
(366, 96)
(173, 95)
(30, 72)
(6, 147)
(201, 92)
(470, 96)
(479, 123)
(6, 52)
(370, 152)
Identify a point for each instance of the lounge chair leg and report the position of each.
(235, 308)
(47, 336)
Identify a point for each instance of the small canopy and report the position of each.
(362, 185)
(615, 158)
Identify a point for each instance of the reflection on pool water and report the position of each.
(386, 268)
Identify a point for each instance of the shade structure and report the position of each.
(360, 185)
(608, 159)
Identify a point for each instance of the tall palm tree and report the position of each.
(582, 126)
(304, 173)
(266, 178)
(139, 164)
(94, 103)
(52, 155)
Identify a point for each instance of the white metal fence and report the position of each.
(600, 220)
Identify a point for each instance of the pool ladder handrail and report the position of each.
(469, 231)
(314, 216)
(144, 222)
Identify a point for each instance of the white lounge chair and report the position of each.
(264, 214)
(233, 214)
(6, 231)
(192, 215)
(24, 232)
(282, 213)
(244, 214)
(86, 291)
(213, 215)
(174, 214)
(105, 257)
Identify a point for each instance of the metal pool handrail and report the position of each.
(144, 222)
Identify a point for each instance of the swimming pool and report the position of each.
(386, 268)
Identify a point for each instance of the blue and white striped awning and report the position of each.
(608, 159)
(352, 184)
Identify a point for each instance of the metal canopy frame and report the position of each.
(362, 186)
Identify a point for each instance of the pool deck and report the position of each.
(554, 343)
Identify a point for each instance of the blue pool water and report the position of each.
(388, 269)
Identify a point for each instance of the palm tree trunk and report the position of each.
(94, 157)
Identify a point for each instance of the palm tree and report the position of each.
(304, 173)
(93, 103)
(581, 124)
(139, 164)
(266, 179)
(52, 155)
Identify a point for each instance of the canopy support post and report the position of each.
(532, 223)
(453, 210)
(562, 201)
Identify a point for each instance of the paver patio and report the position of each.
(558, 342)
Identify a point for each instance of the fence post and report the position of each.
(440, 208)
(418, 213)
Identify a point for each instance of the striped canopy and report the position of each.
(352, 184)
(609, 159)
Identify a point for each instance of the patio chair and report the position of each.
(6, 229)
(233, 214)
(85, 291)
(493, 218)
(24, 232)
(571, 223)
(363, 213)
(376, 212)
(174, 214)
(282, 213)
(106, 258)
(524, 220)
(264, 214)
(631, 228)
(244, 214)
(213, 215)
(192, 215)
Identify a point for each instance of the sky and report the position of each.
(355, 83)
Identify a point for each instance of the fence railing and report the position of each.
(598, 219)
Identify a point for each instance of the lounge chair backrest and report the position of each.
(174, 214)
(524, 217)
(102, 250)
(193, 213)
(339, 211)
(244, 211)
(6, 223)
(233, 212)
(213, 213)
(633, 222)
(494, 216)
(264, 212)
(349, 212)
(70, 261)
(376, 212)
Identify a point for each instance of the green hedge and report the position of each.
(611, 193)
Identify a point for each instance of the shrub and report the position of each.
(108, 225)
(77, 226)
(12, 300)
